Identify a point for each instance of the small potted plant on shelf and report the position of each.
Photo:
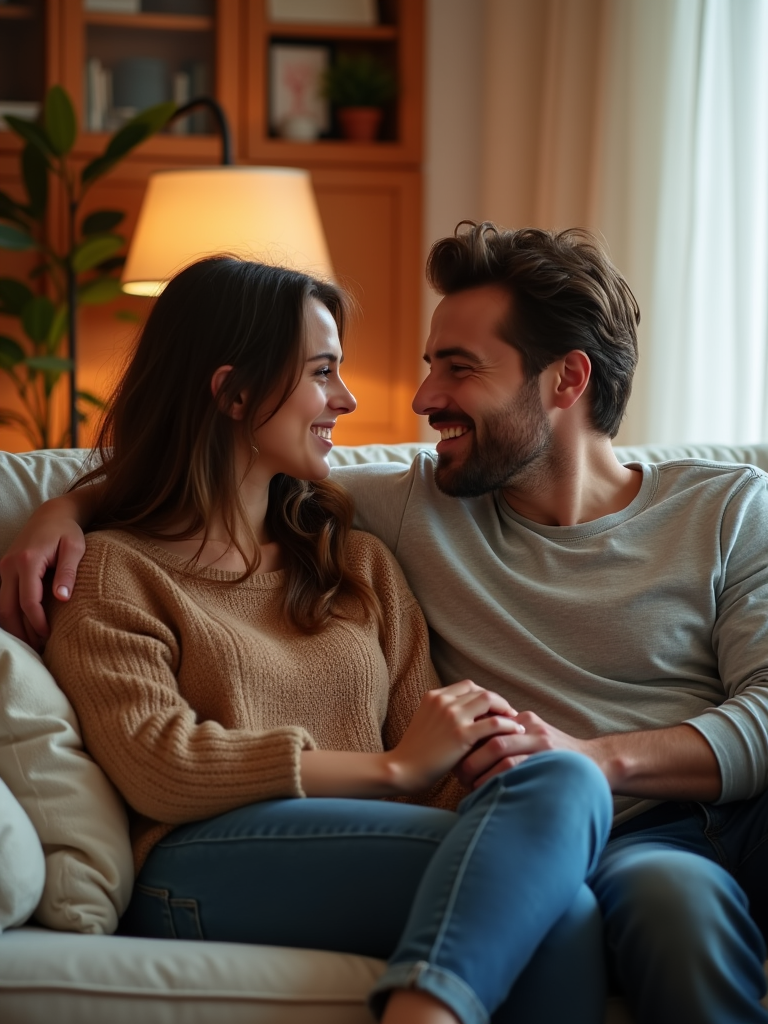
(359, 85)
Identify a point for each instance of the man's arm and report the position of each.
(661, 764)
(52, 538)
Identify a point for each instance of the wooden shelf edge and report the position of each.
(334, 151)
(365, 33)
(158, 22)
(16, 12)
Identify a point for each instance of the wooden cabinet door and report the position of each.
(372, 221)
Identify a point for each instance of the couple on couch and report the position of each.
(592, 776)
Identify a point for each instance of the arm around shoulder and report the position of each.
(51, 539)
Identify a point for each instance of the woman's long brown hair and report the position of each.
(167, 449)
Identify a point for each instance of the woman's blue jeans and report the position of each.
(464, 906)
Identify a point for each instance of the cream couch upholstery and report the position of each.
(52, 975)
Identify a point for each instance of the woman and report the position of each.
(232, 646)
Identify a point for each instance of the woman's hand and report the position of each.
(448, 723)
(51, 538)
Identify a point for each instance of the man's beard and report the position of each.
(513, 439)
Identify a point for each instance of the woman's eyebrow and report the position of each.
(325, 357)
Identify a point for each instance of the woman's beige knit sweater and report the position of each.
(195, 697)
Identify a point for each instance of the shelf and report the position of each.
(363, 33)
(16, 12)
(329, 152)
(158, 22)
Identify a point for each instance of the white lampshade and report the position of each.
(264, 213)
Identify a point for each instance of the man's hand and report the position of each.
(661, 764)
(46, 542)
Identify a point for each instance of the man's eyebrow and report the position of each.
(451, 353)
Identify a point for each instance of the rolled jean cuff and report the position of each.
(425, 977)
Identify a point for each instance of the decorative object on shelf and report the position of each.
(83, 273)
(297, 108)
(359, 86)
(324, 12)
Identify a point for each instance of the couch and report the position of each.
(65, 870)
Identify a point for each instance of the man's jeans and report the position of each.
(466, 906)
(676, 886)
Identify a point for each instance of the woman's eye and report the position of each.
(324, 372)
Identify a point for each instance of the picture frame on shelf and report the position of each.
(297, 108)
(324, 12)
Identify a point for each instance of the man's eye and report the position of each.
(459, 368)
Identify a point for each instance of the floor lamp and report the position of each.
(264, 213)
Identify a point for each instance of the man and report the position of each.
(621, 609)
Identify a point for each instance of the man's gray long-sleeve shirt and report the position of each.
(646, 618)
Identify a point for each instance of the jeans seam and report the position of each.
(166, 844)
(460, 875)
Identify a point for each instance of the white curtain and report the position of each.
(683, 203)
(646, 120)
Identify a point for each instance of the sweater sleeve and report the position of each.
(116, 661)
(737, 729)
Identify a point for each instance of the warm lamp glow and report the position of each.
(263, 213)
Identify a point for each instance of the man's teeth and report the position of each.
(322, 432)
(448, 432)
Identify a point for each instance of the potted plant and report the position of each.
(359, 85)
(82, 272)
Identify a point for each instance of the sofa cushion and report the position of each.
(78, 979)
(79, 817)
(22, 867)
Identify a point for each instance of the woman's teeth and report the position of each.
(448, 432)
(324, 432)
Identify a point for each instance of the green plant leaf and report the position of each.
(139, 128)
(92, 251)
(37, 318)
(88, 396)
(60, 120)
(99, 221)
(34, 167)
(155, 118)
(30, 131)
(102, 289)
(11, 352)
(15, 238)
(11, 210)
(49, 364)
(58, 327)
(14, 295)
(113, 263)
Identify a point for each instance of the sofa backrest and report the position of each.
(29, 479)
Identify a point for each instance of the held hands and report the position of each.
(502, 752)
(47, 541)
(448, 723)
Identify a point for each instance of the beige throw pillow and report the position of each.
(77, 813)
(22, 867)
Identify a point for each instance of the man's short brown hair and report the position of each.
(566, 295)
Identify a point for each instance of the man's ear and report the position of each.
(570, 377)
(236, 409)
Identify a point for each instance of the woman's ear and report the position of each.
(236, 409)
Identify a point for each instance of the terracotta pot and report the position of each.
(360, 124)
